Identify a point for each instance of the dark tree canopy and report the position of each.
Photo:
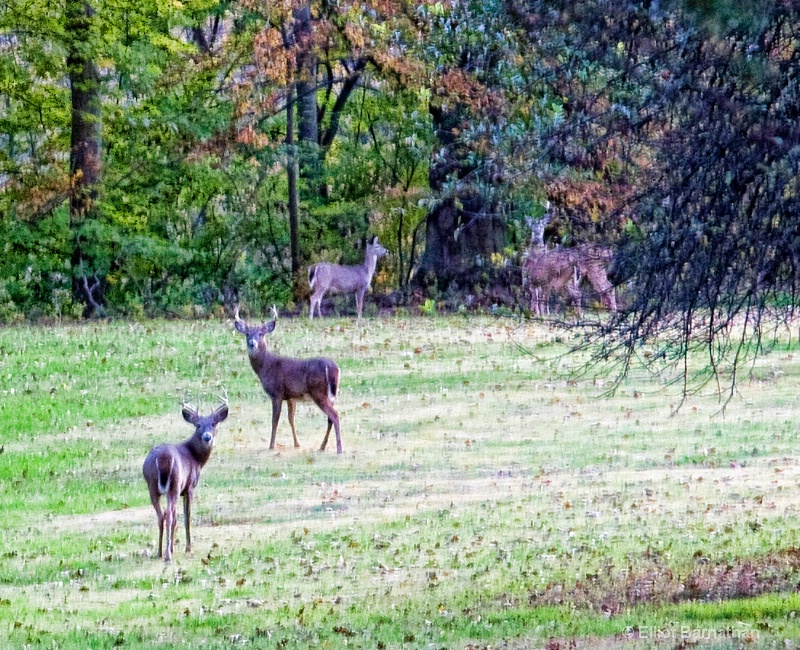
(698, 113)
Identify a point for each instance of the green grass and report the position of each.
(485, 496)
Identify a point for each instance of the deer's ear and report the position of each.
(221, 413)
(375, 240)
(268, 327)
(240, 326)
(189, 414)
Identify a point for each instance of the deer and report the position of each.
(547, 271)
(174, 470)
(285, 379)
(324, 277)
(592, 264)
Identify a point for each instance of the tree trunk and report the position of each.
(292, 171)
(85, 144)
(84, 83)
(462, 229)
(309, 161)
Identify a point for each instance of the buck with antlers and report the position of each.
(324, 277)
(288, 380)
(174, 470)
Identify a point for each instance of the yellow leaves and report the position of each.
(355, 35)
(275, 61)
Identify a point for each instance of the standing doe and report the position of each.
(556, 270)
(290, 380)
(324, 276)
(550, 270)
(174, 470)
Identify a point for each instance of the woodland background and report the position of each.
(178, 157)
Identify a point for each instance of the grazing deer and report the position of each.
(289, 380)
(324, 276)
(549, 271)
(592, 264)
(174, 470)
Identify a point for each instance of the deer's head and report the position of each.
(254, 334)
(376, 249)
(537, 229)
(205, 426)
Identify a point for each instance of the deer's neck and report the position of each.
(262, 359)
(370, 262)
(198, 451)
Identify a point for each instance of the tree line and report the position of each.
(180, 158)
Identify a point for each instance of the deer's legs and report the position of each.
(543, 302)
(292, 404)
(327, 433)
(574, 291)
(156, 501)
(316, 299)
(606, 291)
(612, 300)
(277, 403)
(169, 521)
(174, 528)
(333, 421)
(538, 301)
(187, 509)
(575, 296)
(360, 301)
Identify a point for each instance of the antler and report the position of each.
(236, 315)
(186, 406)
(274, 313)
(223, 398)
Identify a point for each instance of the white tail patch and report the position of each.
(331, 394)
(312, 276)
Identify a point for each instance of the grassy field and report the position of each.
(485, 498)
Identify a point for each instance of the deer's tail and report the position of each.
(164, 465)
(312, 275)
(332, 376)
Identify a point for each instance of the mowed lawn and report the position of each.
(486, 496)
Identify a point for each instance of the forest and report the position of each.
(179, 158)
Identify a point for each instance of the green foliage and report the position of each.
(489, 108)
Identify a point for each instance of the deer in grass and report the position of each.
(550, 270)
(174, 470)
(556, 270)
(288, 380)
(324, 277)
(592, 264)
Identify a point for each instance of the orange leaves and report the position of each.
(275, 61)
(456, 85)
(588, 198)
(249, 136)
(354, 33)
(411, 72)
